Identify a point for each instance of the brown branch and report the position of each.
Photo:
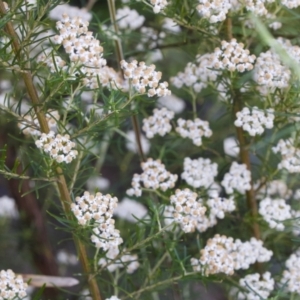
(244, 153)
(120, 57)
(250, 195)
(228, 27)
(90, 4)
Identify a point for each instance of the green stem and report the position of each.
(76, 170)
(138, 245)
(103, 149)
(151, 273)
(160, 283)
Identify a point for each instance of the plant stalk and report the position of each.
(245, 159)
(244, 152)
(120, 57)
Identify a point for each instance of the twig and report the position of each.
(90, 4)
(120, 56)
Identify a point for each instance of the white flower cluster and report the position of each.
(255, 121)
(129, 18)
(290, 155)
(290, 3)
(73, 12)
(216, 208)
(269, 73)
(214, 10)
(188, 210)
(158, 5)
(238, 178)
(97, 210)
(224, 255)
(197, 75)
(143, 77)
(273, 25)
(59, 147)
(199, 172)
(85, 53)
(158, 123)
(130, 262)
(257, 6)
(106, 236)
(171, 26)
(249, 252)
(231, 147)
(274, 212)
(53, 62)
(193, 130)
(233, 57)
(52, 117)
(11, 286)
(277, 188)
(291, 276)
(150, 38)
(256, 288)
(154, 176)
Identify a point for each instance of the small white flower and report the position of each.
(171, 25)
(290, 278)
(224, 255)
(238, 178)
(59, 147)
(231, 147)
(188, 211)
(158, 123)
(145, 79)
(73, 11)
(158, 5)
(290, 155)
(255, 121)
(214, 10)
(129, 18)
(233, 57)
(197, 75)
(113, 298)
(199, 172)
(154, 176)
(8, 208)
(193, 130)
(274, 212)
(257, 286)
(12, 285)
